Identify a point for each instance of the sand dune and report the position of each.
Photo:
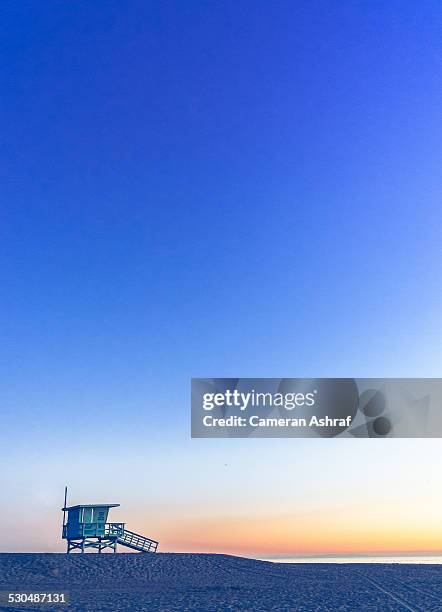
(169, 581)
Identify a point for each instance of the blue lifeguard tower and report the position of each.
(87, 527)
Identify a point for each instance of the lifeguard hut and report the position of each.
(87, 527)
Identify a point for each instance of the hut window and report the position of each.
(87, 515)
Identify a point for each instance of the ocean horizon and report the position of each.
(428, 559)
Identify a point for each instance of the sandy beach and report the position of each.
(172, 581)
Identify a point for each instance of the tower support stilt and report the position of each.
(101, 544)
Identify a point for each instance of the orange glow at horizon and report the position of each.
(338, 532)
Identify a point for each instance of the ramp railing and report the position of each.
(137, 542)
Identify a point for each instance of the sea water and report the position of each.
(373, 559)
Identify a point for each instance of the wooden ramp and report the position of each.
(136, 541)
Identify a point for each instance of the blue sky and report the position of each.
(206, 189)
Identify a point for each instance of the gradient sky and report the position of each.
(235, 189)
